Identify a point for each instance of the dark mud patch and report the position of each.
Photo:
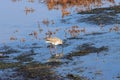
(4, 65)
(96, 33)
(36, 47)
(103, 16)
(30, 70)
(25, 57)
(9, 51)
(54, 64)
(6, 51)
(114, 9)
(118, 77)
(98, 19)
(21, 59)
(85, 49)
(76, 38)
(75, 77)
(37, 71)
(67, 41)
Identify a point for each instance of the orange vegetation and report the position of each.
(64, 4)
(68, 3)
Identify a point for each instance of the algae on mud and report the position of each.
(103, 16)
(4, 65)
(86, 48)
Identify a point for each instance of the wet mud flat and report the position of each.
(103, 16)
(24, 67)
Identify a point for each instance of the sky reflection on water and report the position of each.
(13, 16)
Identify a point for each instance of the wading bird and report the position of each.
(54, 41)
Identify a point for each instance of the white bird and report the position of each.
(54, 41)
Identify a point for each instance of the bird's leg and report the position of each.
(51, 49)
(55, 49)
(62, 50)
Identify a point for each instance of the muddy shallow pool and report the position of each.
(90, 33)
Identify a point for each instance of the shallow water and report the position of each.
(13, 17)
(15, 22)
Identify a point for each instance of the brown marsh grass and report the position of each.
(52, 4)
(74, 31)
(29, 10)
